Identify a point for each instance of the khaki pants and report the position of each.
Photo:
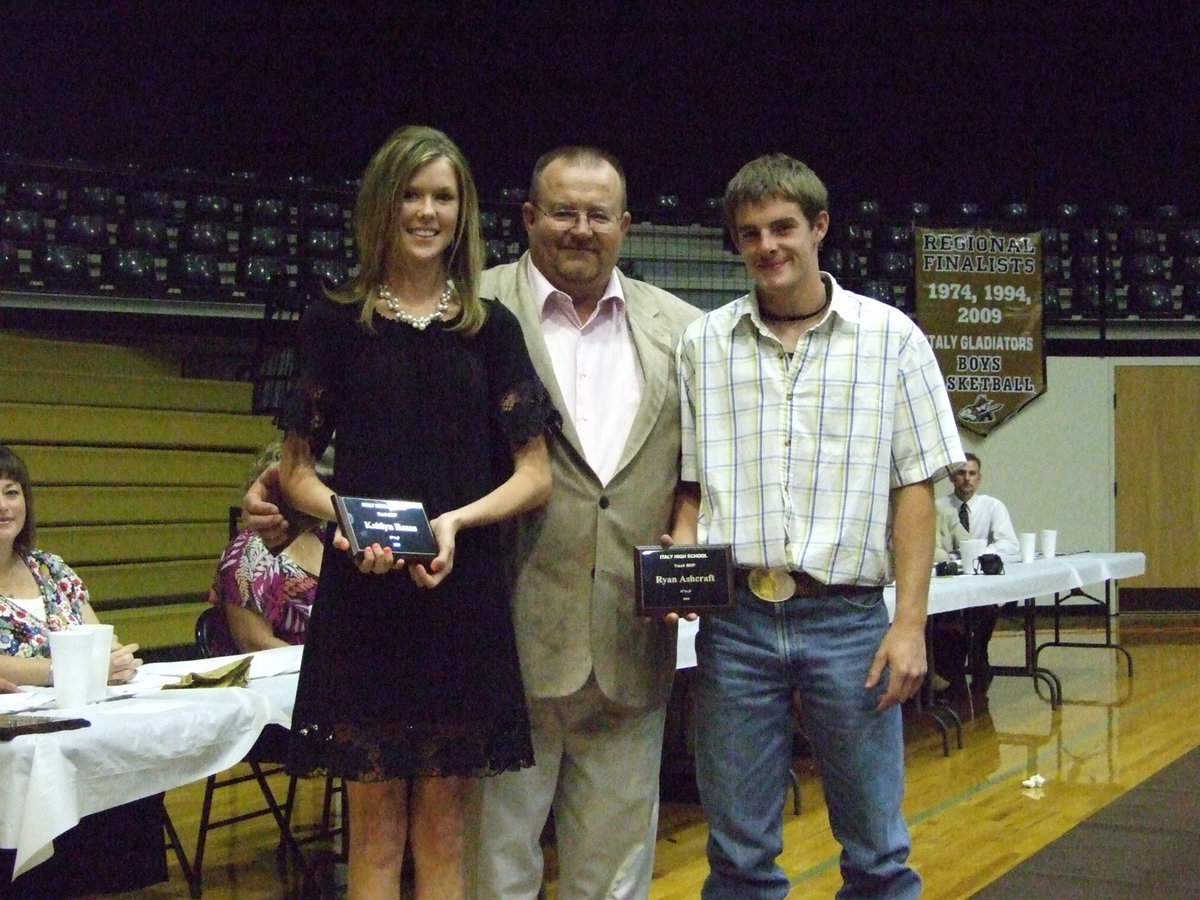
(597, 766)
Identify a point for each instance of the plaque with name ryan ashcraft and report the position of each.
(399, 524)
(683, 579)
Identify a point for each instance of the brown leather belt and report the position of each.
(807, 586)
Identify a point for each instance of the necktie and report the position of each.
(964, 516)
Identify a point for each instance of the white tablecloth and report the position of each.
(273, 676)
(147, 741)
(1020, 581)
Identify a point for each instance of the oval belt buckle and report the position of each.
(772, 585)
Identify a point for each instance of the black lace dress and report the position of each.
(400, 681)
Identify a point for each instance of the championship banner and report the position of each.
(979, 301)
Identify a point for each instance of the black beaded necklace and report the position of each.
(774, 317)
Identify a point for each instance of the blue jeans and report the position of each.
(750, 661)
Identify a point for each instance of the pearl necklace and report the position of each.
(392, 302)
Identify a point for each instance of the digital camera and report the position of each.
(948, 567)
(989, 564)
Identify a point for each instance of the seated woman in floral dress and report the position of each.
(267, 592)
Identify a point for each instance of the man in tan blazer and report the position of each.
(596, 674)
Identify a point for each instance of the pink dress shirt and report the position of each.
(597, 369)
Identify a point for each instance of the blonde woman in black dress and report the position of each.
(410, 682)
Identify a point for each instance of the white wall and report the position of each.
(1053, 462)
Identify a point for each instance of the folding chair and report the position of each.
(265, 758)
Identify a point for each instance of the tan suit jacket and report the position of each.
(573, 602)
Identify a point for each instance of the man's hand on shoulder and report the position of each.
(259, 510)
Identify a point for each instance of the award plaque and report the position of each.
(684, 579)
(399, 524)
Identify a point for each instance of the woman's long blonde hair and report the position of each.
(387, 176)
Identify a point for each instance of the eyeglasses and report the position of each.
(565, 217)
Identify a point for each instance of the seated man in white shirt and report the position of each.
(968, 514)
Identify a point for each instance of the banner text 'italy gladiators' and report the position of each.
(979, 301)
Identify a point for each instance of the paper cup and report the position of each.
(71, 658)
(969, 551)
(1049, 540)
(101, 654)
(1028, 546)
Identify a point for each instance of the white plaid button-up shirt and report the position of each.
(796, 456)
